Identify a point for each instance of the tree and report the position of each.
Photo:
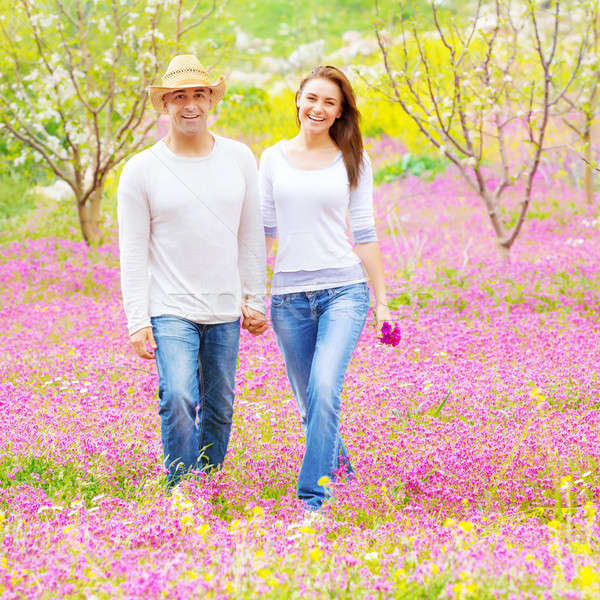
(475, 91)
(73, 83)
(582, 100)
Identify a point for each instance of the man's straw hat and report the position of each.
(184, 71)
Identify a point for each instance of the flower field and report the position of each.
(476, 440)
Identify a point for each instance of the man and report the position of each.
(192, 257)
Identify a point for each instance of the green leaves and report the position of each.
(436, 413)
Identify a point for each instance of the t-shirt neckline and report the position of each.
(291, 164)
(172, 154)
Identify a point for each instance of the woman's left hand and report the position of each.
(382, 314)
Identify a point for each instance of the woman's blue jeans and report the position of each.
(317, 333)
(196, 373)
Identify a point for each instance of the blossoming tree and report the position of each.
(581, 103)
(483, 95)
(73, 79)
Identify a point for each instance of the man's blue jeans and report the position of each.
(196, 371)
(317, 333)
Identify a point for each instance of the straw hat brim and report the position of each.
(156, 92)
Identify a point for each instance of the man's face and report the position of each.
(188, 109)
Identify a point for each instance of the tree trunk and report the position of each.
(89, 217)
(503, 241)
(588, 174)
(503, 253)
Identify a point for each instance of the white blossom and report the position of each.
(102, 26)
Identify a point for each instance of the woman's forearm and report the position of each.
(370, 255)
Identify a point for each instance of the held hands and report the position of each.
(140, 341)
(254, 321)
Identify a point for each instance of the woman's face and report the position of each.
(319, 104)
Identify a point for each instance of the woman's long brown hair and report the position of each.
(345, 132)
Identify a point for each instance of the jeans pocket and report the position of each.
(357, 290)
(277, 301)
(173, 327)
(366, 290)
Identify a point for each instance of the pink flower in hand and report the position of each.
(389, 336)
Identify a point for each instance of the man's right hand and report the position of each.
(254, 321)
(140, 341)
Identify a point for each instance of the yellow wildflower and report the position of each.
(588, 577)
(307, 529)
(466, 526)
(580, 548)
(315, 554)
(556, 525)
(450, 522)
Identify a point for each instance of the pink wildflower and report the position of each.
(389, 336)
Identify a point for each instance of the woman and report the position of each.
(320, 297)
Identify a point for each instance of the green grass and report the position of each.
(27, 214)
(410, 165)
(14, 197)
(63, 483)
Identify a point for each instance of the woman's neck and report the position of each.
(310, 141)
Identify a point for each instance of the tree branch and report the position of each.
(199, 21)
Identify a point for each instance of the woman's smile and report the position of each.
(319, 104)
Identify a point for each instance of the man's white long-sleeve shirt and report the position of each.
(190, 235)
